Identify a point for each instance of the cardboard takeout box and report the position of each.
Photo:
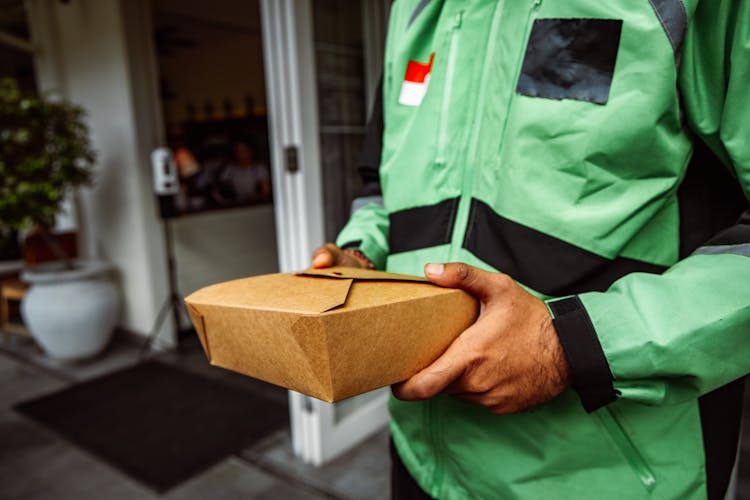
(329, 333)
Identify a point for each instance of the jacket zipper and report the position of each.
(442, 139)
(623, 443)
(434, 431)
(469, 173)
(519, 61)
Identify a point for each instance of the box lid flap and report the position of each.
(276, 292)
(356, 274)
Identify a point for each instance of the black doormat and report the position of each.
(159, 424)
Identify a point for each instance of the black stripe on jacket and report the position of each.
(710, 200)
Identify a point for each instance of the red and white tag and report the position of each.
(416, 80)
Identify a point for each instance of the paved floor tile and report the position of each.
(284, 491)
(21, 382)
(362, 473)
(57, 470)
(120, 353)
(228, 480)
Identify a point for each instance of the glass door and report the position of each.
(323, 60)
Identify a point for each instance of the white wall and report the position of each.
(224, 245)
(84, 56)
(224, 64)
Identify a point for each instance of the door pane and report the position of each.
(340, 47)
(342, 87)
(212, 86)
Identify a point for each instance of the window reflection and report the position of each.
(210, 61)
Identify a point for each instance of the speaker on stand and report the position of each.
(166, 186)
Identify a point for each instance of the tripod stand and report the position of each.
(173, 301)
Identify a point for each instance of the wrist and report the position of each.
(560, 361)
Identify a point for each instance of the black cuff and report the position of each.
(351, 244)
(589, 369)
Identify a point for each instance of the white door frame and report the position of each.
(293, 125)
(298, 198)
(319, 430)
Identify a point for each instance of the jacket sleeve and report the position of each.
(367, 228)
(660, 339)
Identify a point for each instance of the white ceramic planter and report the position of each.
(71, 313)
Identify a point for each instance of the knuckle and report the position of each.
(421, 391)
(503, 281)
(467, 275)
(476, 379)
(463, 272)
(502, 405)
(499, 410)
(479, 385)
(475, 357)
(489, 402)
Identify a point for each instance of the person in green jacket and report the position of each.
(543, 149)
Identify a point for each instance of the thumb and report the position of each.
(479, 283)
(326, 256)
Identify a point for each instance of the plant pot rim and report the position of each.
(55, 272)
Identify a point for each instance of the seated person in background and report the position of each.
(243, 179)
(213, 156)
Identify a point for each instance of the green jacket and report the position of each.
(550, 140)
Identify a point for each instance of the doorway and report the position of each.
(306, 117)
(323, 60)
(211, 84)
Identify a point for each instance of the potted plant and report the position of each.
(45, 153)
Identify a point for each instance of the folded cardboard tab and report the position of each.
(329, 333)
(361, 274)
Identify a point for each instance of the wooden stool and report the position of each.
(12, 290)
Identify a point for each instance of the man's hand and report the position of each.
(509, 360)
(330, 255)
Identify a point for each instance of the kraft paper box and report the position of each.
(330, 333)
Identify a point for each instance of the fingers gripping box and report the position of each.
(329, 333)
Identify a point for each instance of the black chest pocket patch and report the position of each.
(570, 59)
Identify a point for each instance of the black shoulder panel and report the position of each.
(673, 19)
(417, 11)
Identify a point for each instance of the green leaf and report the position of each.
(45, 152)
